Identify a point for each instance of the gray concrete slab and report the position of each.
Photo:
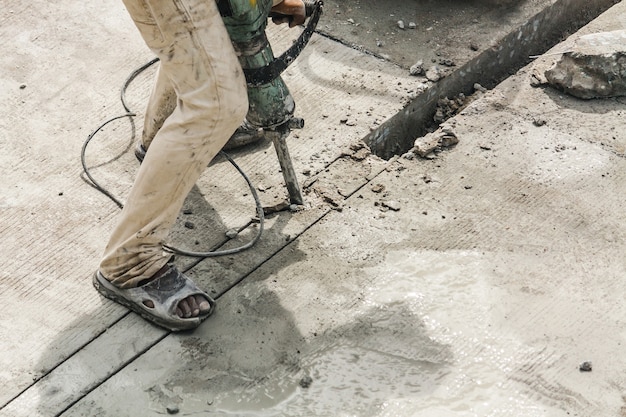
(501, 271)
(497, 272)
(62, 73)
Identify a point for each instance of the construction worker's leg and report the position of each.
(161, 104)
(198, 59)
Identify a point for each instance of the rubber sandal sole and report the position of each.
(108, 290)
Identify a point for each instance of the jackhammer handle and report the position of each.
(309, 6)
(264, 75)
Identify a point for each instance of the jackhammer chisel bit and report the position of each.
(271, 106)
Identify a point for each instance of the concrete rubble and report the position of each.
(484, 279)
(594, 67)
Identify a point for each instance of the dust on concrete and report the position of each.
(441, 34)
(562, 153)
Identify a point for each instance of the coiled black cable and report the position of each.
(169, 248)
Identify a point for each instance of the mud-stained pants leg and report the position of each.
(198, 59)
(161, 104)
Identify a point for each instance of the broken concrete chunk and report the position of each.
(433, 74)
(417, 68)
(280, 206)
(329, 195)
(425, 145)
(595, 67)
(358, 151)
(444, 137)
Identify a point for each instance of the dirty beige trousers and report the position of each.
(199, 64)
(162, 103)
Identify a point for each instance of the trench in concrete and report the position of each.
(537, 35)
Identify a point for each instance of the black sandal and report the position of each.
(165, 292)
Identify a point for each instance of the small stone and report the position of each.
(232, 233)
(306, 382)
(447, 141)
(480, 88)
(280, 206)
(417, 68)
(433, 74)
(539, 121)
(391, 205)
(187, 211)
(378, 188)
(537, 79)
(351, 21)
(585, 367)
(473, 46)
(172, 409)
(22, 86)
(412, 25)
(401, 24)
(447, 62)
(190, 225)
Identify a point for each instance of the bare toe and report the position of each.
(193, 306)
(203, 304)
(184, 306)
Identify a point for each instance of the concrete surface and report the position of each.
(472, 284)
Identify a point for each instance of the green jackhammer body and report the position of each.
(271, 106)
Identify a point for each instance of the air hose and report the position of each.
(130, 114)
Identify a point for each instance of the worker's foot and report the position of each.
(140, 152)
(169, 299)
(246, 134)
(192, 306)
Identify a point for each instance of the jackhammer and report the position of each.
(271, 106)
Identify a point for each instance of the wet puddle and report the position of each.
(424, 346)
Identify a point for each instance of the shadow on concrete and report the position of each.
(268, 368)
(55, 399)
(252, 357)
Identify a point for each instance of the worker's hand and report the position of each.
(289, 11)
